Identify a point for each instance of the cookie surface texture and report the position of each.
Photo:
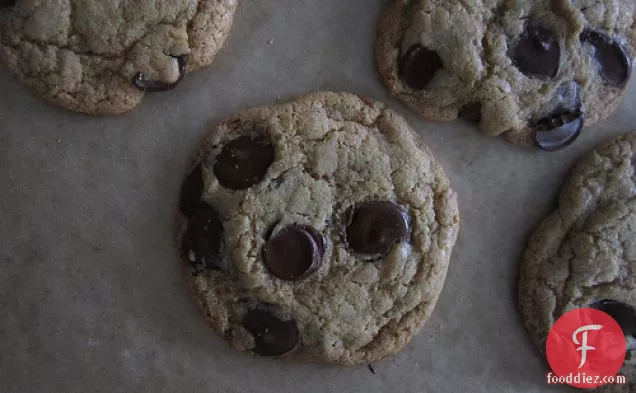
(582, 255)
(101, 57)
(535, 72)
(316, 230)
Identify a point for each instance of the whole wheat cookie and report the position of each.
(582, 254)
(318, 230)
(532, 71)
(99, 57)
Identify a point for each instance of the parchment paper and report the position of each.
(91, 296)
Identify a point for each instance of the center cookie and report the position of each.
(532, 71)
(583, 254)
(100, 57)
(320, 229)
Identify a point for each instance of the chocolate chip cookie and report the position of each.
(317, 230)
(100, 57)
(532, 71)
(581, 255)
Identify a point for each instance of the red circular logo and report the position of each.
(584, 347)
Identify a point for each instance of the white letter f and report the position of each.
(584, 347)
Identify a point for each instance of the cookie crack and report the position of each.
(122, 55)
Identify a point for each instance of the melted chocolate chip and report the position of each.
(191, 191)
(623, 314)
(537, 53)
(614, 64)
(203, 243)
(471, 112)
(558, 131)
(272, 336)
(294, 253)
(7, 3)
(374, 227)
(418, 66)
(150, 86)
(244, 162)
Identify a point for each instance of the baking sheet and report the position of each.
(91, 295)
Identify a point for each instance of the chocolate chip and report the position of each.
(191, 191)
(623, 314)
(294, 253)
(471, 112)
(560, 124)
(7, 3)
(244, 162)
(374, 227)
(150, 86)
(272, 336)
(614, 63)
(418, 66)
(558, 131)
(537, 53)
(203, 243)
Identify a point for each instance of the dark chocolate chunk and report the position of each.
(558, 131)
(294, 253)
(244, 162)
(374, 227)
(471, 112)
(7, 3)
(150, 86)
(623, 314)
(191, 190)
(418, 66)
(272, 336)
(537, 52)
(203, 243)
(614, 64)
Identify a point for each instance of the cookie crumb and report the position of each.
(371, 369)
